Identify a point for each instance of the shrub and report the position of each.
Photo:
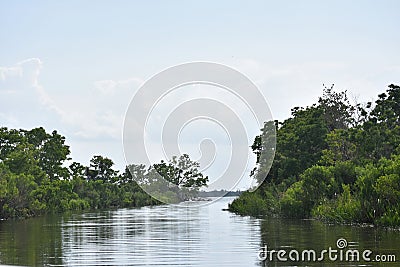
(344, 209)
(249, 204)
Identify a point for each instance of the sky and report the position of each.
(74, 66)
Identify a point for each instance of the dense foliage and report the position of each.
(34, 179)
(334, 161)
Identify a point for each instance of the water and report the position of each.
(303, 235)
(173, 236)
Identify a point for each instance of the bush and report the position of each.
(390, 218)
(249, 204)
(292, 204)
(344, 209)
(78, 204)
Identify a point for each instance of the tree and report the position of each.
(34, 179)
(300, 141)
(22, 160)
(182, 172)
(102, 167)
(264, 147)
(338, 112)
(16, 193)
(335, 161)
(52, 151)
(136, 173)
(340, 147)
(183, 176)
(380, 135)
(9, 140)
(77, 169)
(387, 109)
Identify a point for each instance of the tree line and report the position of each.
(335, 161)
(36, 177)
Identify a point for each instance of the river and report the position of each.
(174, 236)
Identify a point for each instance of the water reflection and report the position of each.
(164, 235)
(150, 236)
(174, 236)
(309, 234)
(31, 242)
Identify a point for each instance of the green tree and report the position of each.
(77, 170)
(182, 172)
(183, 176)
(300, 141)
(22, 160)
(338, 111)
(34, 179)
(9, 140)
(52, 152)
(136, 173)
(340, 147)
(379, 136)
(102, 167)
(16, 193)
(264, 146)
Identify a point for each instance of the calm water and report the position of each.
(173, 236)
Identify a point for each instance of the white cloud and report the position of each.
(92, 120)
(21, 76)
(111, 87)
(22, 99)
(22, 80)
(96, 112)
(300, 84)
(8, 73)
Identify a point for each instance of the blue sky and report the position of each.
(74, 65)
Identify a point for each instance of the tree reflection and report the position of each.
(31, 242)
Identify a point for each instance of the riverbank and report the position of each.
(38, 177)
(369, 200)
(335, 161)
(35, 179)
